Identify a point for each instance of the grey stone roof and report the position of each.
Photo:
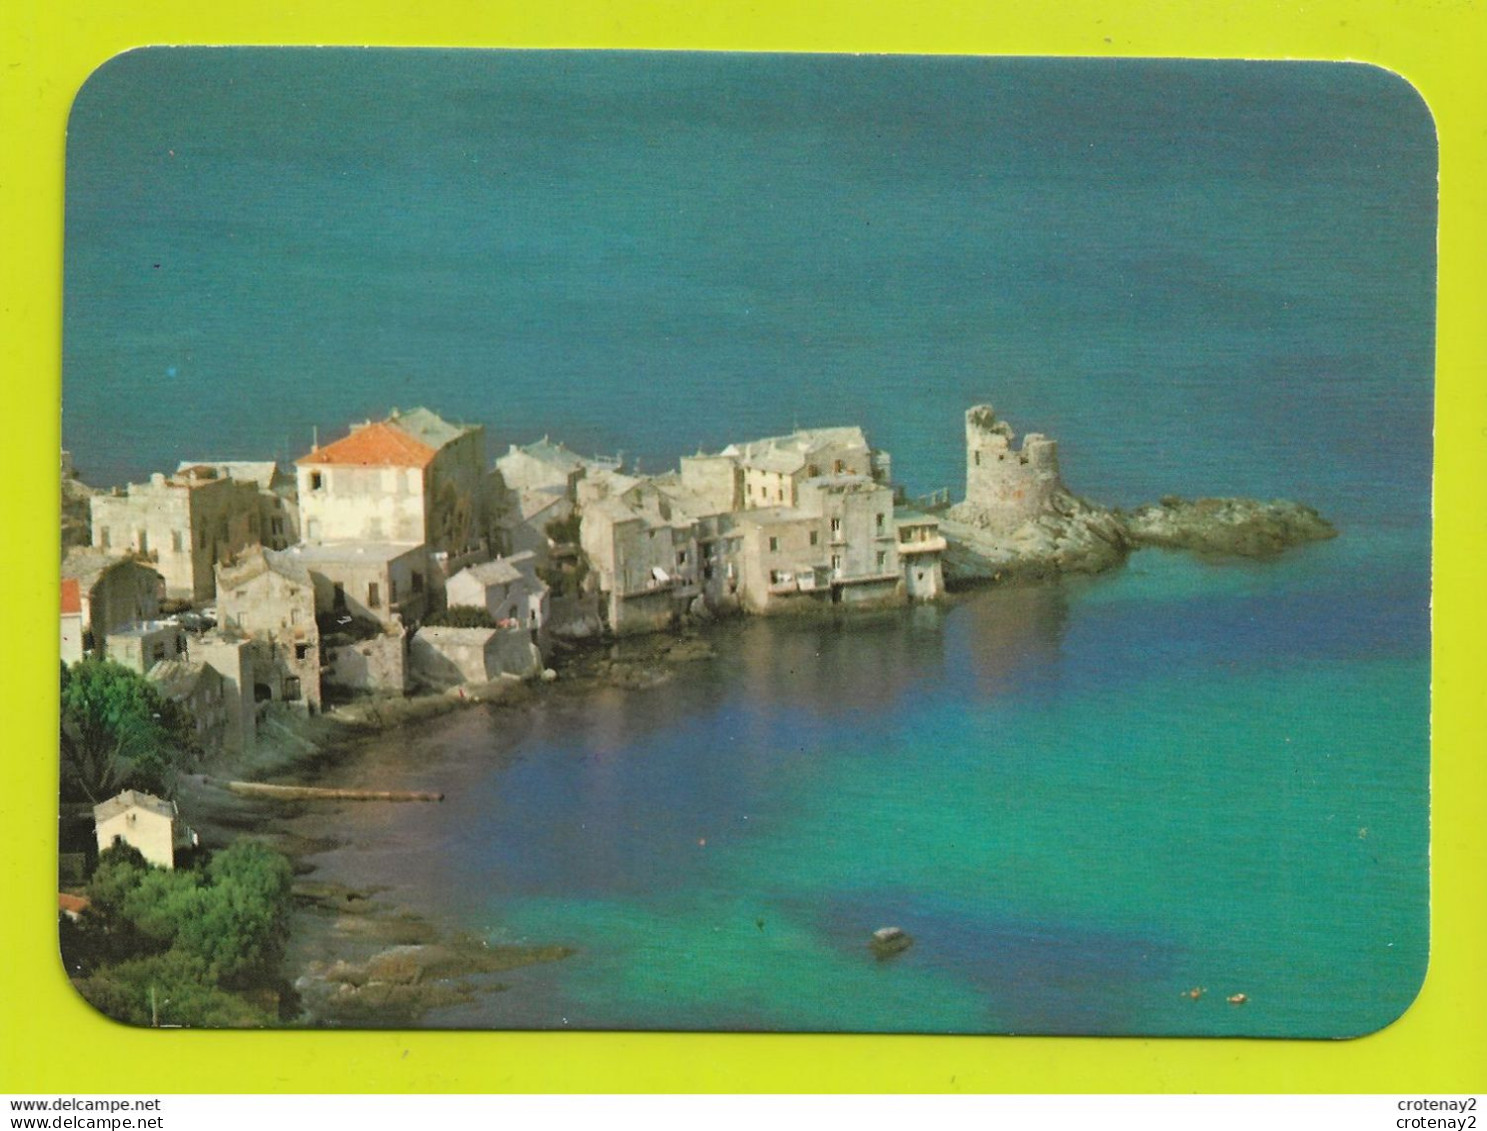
(87, 564)
(132, 799)
(498, 572)
(177, 679)
(259, 472)
(256, 561)
(553, 454)
(428, 427)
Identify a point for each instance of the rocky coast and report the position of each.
(1073, 536)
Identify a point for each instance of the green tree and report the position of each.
(118, 732)
(173, 988)
(177, 947)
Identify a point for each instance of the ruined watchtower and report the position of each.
(1006, 486)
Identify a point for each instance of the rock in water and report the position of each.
(888, 941)
(1246, 528)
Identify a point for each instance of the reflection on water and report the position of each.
(1071, 803)
(605, 791)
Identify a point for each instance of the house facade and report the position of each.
(413, 478)
(109, 594)
(184, 525)
(142, 821)
(269, 599)
(278, 504)
(203, 693)
(508, 589)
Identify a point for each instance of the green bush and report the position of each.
(461, 616)
(193, 936)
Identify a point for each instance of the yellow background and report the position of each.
(51, 1042)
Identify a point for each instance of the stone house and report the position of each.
(644, 554)
(543, 464)
(143, 822)
(109, 593)
(446, 657)
(508, 589)
(921, 550)
(839, 545)
(202, 693)
(231, 657)
(141, 646)
(278, 505)
(773, 469)
(184, 524)
(413, 479)
(376, 663)
(268, 598)
(379, 581)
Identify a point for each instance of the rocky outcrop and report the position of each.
(1077, 537)
(1069, 536)
(1235, 527)
(1019, 521)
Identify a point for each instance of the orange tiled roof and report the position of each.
(75, 904)
(72, 598)
(374, 445)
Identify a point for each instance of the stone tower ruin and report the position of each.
(1006, 486)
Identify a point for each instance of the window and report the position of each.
(176, 541)
(317, 481)
(301, 651)
(836, 526)
(978, 458)
(291, 687)
(839, 467)
(294, 616)
(774, 545)
(374, 595)
(882, 561)
(815, 537)
(880, 524)
(836, 561)
(144, 541)
(681, 557)
(417, 582)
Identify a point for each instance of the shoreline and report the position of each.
(357, 958)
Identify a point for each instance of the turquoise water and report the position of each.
(1082, 800)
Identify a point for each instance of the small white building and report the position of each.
(144, 822)
(507, 588)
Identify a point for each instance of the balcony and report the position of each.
(932, 545)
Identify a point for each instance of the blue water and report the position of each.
(1083, 800)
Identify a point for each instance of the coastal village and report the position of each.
(396, 559)
(397, 564)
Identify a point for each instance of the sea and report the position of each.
(1106, 805)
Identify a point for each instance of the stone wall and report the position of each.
(379, 664)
